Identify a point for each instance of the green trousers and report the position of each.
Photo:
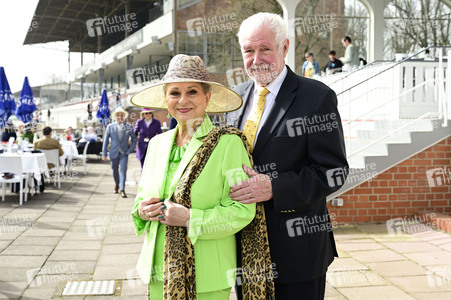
(156, 293)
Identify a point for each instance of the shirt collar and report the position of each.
(275, 85)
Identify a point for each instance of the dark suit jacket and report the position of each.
(297, 149)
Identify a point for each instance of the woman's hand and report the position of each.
(150, 209)
(174, 214)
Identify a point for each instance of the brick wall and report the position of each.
(400, 191)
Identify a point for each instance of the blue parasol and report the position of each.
(25, 106)
(7, 103)
(103, 112)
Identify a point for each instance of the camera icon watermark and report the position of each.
(236, 76)
(336, 177)
(111, 25)
(438, 176)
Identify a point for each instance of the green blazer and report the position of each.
(215, 218)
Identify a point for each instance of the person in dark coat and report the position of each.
(8, 132)
(147, 127)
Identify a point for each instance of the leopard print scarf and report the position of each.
(179, 270)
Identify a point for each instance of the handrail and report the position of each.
(396, 64)
(390, 133)
(360, 69)
(391, 100)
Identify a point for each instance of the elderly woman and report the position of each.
(147, 127)
(183, 204)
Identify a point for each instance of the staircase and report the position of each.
(391, 112)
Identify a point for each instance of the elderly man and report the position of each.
(294, 130)
(123, 141)
(351, 59)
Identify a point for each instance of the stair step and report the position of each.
(435, 220)
(374, 150)
(399, 137)
(419, 125)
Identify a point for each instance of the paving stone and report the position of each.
(407, 247)
(124, 271)
(21, 261)
(27, 250)
(66, 255)
(79, 245)
(423, 283)
(37, 293)
(4, 244)
(123, 239)
(374, 293)
(44, 232)
(397, 268)
(14, 274)
(32, 241)
(81, 236)
(354, 278)
(432, 296)
(376, 255)
(122, 249)
(12, 289)
(360, 246)
(344, 264)
(118, 259)
(430, 258)
(446, 246)
(373, 228)
(331, 293)
(386, 238)
(134, 287)
(66, 267)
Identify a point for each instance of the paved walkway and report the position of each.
(83, 232)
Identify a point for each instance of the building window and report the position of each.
(215, 49)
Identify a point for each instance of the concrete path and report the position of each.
(83, 232)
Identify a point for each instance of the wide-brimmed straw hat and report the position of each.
(119, 110)
(184, 68)
(146, 110)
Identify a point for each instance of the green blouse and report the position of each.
(174, 160)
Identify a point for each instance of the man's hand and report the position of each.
(255, 189)
(105, 158)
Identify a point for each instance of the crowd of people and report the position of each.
(349, 62)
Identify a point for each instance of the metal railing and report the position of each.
(399, 87)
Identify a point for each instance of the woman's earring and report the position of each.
(169, 115)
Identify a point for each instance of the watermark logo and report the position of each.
(141, 76)
(314, 24)
(56, 273)
(217, 23)
(213, 224)
(309, 225)
(338, 176)
(247, 275)
(352, 276)
(17, 223)
(236, 76)
(310, 125)
(438, 176)
(97, 227)
(235, 176)
(411, 225)
(34, 24)
(111, 25)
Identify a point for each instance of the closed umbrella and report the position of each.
(26, 105)
(7, 103)
(103, 111)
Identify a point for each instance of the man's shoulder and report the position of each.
(242, 86)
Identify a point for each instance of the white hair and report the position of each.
(270, 20)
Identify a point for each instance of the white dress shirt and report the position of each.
(270, 98)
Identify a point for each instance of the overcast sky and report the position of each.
(38, 62)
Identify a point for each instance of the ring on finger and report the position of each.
(249, 195)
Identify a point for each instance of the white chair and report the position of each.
(52, 157)
(83, 157)
(13, 165)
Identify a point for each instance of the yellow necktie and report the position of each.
(251, 125)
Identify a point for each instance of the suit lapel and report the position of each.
(280, 107)
(245, 94)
